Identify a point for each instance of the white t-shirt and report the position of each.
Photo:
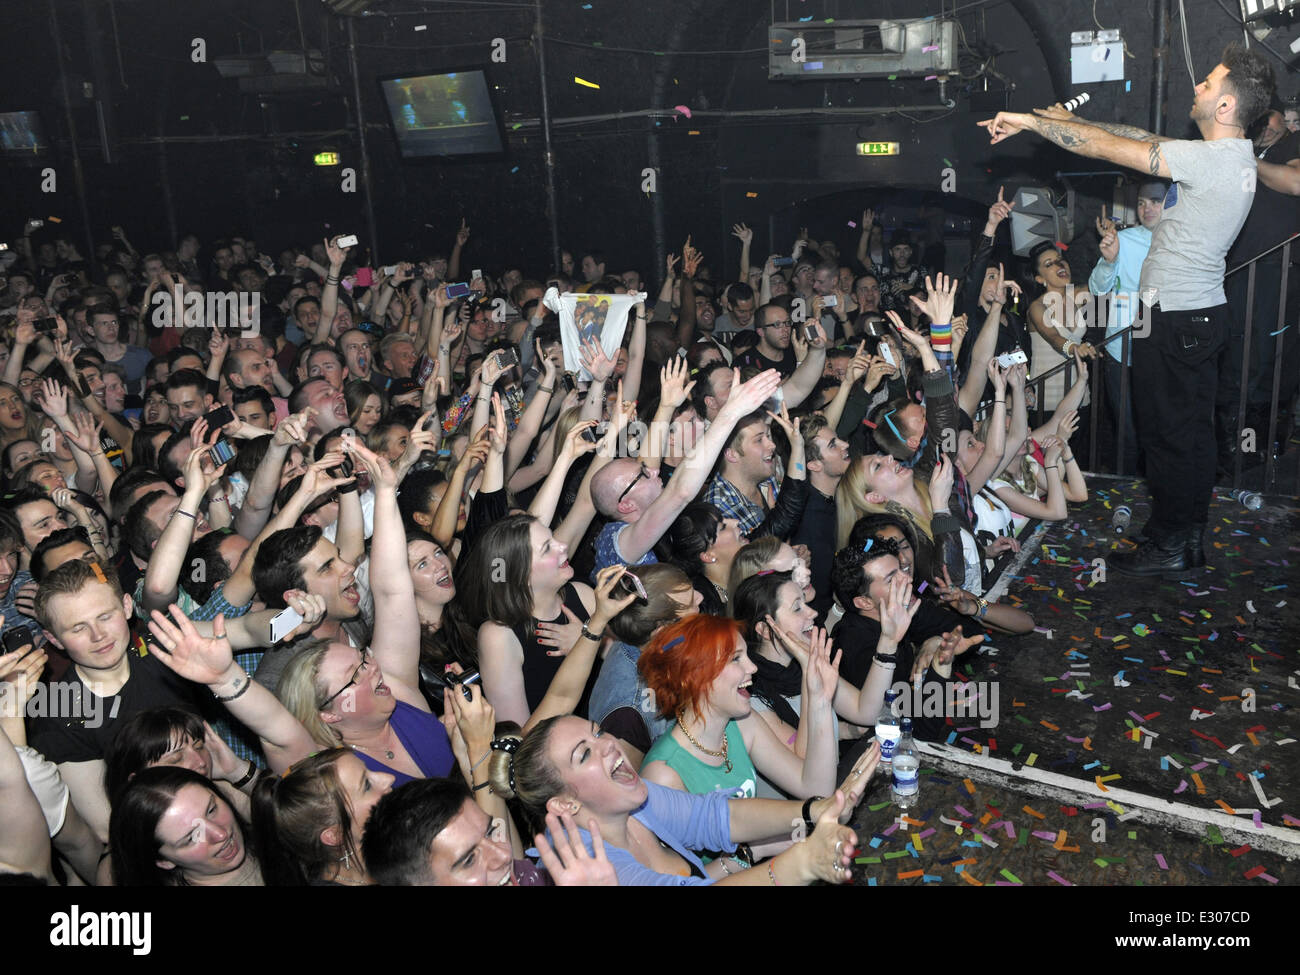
(1205, 208)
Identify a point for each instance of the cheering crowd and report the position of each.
(321, 574)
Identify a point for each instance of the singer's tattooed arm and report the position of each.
(1095, 142)
(1127, 131)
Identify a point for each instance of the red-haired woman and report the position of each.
(700, 675)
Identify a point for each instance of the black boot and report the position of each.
(1170, 556)
(1195, 547)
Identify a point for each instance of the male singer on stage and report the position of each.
(1175, 367)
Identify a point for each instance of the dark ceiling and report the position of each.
(188, 150)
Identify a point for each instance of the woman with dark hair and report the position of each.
(146, 443)
(313, 818)
(703, 543)
(567, 765)
(517, 579)
(172, 738)
(1055, 333)
(171, 828)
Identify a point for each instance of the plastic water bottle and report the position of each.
(907, 763)
(1121, 518)
(1252, 500)
(887, 730)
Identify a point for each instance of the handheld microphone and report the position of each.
(1076, 102)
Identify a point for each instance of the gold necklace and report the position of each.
(726, 762)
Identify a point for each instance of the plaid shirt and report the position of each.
(726, 497)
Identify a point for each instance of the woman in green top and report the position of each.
(699, 673)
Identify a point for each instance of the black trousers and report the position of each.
(1175, 376)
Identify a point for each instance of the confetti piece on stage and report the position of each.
(1010, 876)
(584, 82)
(909, 874)
(1160, 859)
(752, 196)
(970, 879)
(1059, 879)
(970, 786)
(683, 109)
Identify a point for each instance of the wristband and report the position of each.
(983, 607)
(248, 682)
(348, 488)
(941, 336)
(808, 824)
(249, 776)
(546, 389)
(593, 637)
(1068, 460)
(1067, 348)
(187, 514)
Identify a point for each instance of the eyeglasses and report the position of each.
(781, 323)
(639, 474)
(356, 678)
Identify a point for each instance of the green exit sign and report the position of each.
(877, 148)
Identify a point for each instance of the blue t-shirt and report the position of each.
(607, 550)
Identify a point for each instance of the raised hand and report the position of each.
(859, 365)
(914, 338)
(941, 294)
(85, 436)
(462, 235)
(998, 212)
(575, 444)
(997, 376)
(218, 345)
(941, 483)
(877, 371)
(202, 659)
(382, 475)
(337, 255)
(793, 643)
(1066, 425)
(675, 383)
(595, 361)
(475, 453)
(868, 219)
(690, 259)
(747, 397)
(54, 399)
(491, 371)
(670, 265)
(783, 420)
(742, 233)
(318, 480)
(898, 609)
(568, 862)
(822, 672)
(293, 429)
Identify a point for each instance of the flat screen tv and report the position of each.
(441, 115)
(21, 134)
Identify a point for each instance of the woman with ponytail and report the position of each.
(312, 819)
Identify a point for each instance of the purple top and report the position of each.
(425, 740)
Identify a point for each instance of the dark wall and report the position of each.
(244, 170)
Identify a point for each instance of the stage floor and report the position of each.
(1146, 732)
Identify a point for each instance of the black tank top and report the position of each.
(539, 668)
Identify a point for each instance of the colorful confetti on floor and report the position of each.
(1184, 689)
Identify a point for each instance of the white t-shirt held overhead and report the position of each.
(1205, 207)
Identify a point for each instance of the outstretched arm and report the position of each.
(1084, 140)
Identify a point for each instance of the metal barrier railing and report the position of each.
(1124, 336)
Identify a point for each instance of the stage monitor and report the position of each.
(441, 115)
(21, 134)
